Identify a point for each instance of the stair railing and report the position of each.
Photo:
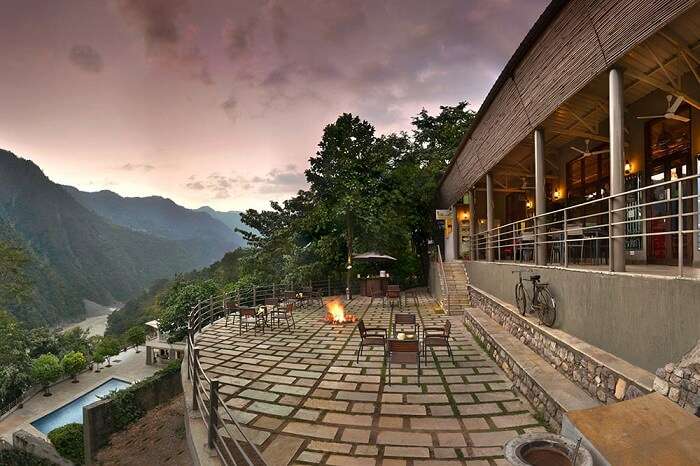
(443, 278)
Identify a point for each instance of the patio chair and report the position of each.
(231, 309)
(393, 295)
(437, 337)
(311, 295)
(250, 316)
(283, 312)
(404, 352)
(372, 336)
(403, 320)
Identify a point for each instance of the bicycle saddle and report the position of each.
(534, 278)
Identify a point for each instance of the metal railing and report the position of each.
(225, 434)
(601, 225)
(443, 278)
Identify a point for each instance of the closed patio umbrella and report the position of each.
(373, 256)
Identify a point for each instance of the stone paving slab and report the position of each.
(305, 399)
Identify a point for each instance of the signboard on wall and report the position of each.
(633, 243)
(443, 214)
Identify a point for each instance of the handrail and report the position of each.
(557, 227)
(225, 434)
(443, 277)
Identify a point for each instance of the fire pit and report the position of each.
(335, 313)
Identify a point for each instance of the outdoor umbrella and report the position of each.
(373, 256)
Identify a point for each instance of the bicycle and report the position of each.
(542, 303)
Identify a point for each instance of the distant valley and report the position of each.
(99, 246)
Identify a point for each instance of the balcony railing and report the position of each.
(225, 434)
(595, 229)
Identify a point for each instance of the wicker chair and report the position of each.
(283, 312)
(437, 337)
(231, 309)
(373, 336)
(403, 320)
(250, 316)
(404, 352)
(392, 296)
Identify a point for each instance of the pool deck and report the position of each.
(130, 366)
(304, 399)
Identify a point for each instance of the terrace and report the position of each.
(300, 396)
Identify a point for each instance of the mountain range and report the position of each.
(97, 246)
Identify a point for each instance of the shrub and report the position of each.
(68, 440)
(14, 457)
(73, 363)
(46, 369)
(109, 347)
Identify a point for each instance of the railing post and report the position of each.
(536, 234)
(274, 291)
(680, 228)
(238, 297)
(213, 413)
(611, 255)
(498, 244)
(195, 361)
(211, 310)
(566, 239)
(255, 295)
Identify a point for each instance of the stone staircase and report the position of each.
(457, 287)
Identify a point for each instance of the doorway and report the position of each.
(668, 158)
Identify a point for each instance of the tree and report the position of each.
(15, 363)
(177, 303)
(43, 340)
(75, 339)
(109, 347)
(136, 336)
(14, 285)
(345, 175)
(73, 363)
(98, 358)
(46, 369)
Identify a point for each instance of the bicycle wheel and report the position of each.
(546, 307)
(521, 298)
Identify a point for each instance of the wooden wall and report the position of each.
(585, 39)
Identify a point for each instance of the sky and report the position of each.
(222, 102)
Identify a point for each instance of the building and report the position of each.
(583, 163)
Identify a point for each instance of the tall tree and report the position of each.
(345, 175)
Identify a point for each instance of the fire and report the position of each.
(336, 313)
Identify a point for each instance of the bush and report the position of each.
(46, 369)
(14, 457)
(68, 440)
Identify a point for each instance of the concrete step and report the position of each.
(526, 367)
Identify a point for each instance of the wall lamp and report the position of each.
(628, 167)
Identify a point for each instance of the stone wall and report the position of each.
(599, 373)
(97, 417)
(681, 382)
(550, 410)
(22, 440)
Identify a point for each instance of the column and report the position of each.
(617, 167)
(540, 197)
(472, 224)
(489, 216)
(455, 233)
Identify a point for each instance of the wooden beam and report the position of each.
(580, 134)
(673, 39)
(581, 120)
(690, 66)
(670, 78)
(662, 86)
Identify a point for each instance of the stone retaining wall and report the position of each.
(681, 384)
(598, 378)
(549, 409)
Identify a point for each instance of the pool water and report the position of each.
(73, 411)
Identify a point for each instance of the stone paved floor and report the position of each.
(305, 400)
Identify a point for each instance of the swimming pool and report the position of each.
(73, 411)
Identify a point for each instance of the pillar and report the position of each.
(472, 224)
(616, 259)
(149, 355)
(540, 197)
(489, 216)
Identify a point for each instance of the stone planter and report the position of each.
(545, 449)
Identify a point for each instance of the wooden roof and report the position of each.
(555, 80)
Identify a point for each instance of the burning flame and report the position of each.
(336, 313)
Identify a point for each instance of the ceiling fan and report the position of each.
(671, 108)
(587, 151)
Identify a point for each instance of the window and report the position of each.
(588, 178)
